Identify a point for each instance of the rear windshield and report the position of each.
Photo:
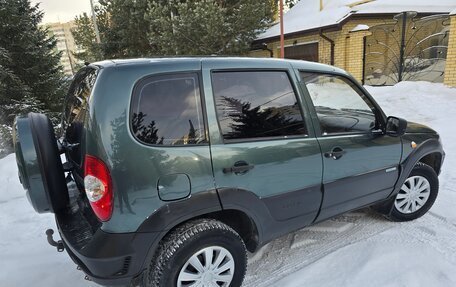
(76, 107)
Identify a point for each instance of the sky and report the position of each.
(66, 10)
(62, 10)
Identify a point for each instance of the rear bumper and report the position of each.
(110, 258)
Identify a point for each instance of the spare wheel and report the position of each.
(38, 160)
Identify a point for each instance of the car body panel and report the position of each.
(368, 158)
(367, 172)
(287, 170)
(136, 167)
(416, 128)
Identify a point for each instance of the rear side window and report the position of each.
(167, 110)
(257, 104)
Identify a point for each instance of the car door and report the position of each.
(360, 164)
(262, 141)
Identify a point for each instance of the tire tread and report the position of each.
(396, 216)
(175, 240)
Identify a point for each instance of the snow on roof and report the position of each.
(395, 6)
(360, 27)
(306, 15)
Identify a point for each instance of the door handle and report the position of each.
(335, 153)
(239, 167)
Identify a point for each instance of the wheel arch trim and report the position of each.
(426, 148)
(201, 204)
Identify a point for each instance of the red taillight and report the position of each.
(98, 187)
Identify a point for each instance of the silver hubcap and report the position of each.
(413, 195)
(210, 267)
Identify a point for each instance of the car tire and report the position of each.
(424, 178)
(195, 240)
(40, 167)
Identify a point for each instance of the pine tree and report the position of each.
(84, 36)
(143, 28)
(207, 27)
(123, 31)
(31, 77)
(258, 121)
(291, 3)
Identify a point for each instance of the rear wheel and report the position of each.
(417, 194)
(203, 252)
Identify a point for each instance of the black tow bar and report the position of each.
(52, 242)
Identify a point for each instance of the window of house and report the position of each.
(167, 110)
(306, 52)
(257, 104)
(340, 105)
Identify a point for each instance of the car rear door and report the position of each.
(360, 164)
(261, 140)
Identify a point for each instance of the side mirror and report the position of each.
(395, 126)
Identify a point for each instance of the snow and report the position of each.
(395, 6)
(27, 258)
(306, 15)
(380, 261)
(418, 253)
(350, 250)
(360, 27)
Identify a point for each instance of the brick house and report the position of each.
(335, 32)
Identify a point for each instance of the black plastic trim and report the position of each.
(104, 257)
(176, 212)
(429, 146)
(273, 216)
(259, 211)
(298, 203)
(355, 191)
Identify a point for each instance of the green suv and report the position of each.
(174, 168)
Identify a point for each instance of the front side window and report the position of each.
(166, 110)
(340, 105)
(256, 104)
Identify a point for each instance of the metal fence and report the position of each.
(406, 49)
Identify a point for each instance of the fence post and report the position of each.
(450, 67)
(402, 51)
(355, 51)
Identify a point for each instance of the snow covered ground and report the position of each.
(356, 249)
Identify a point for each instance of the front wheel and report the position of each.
(203, 252)
(417, 194)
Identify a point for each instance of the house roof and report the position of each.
(395, 6)
(306, 15)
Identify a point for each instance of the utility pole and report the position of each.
(68, 52)
(95, 25)
(282, 38)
